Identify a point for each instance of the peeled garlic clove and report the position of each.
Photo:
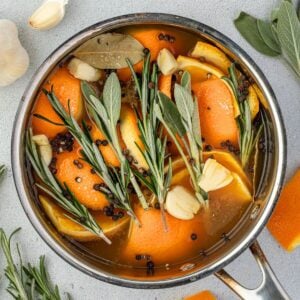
(83, 71)
(46, 154)
(214, 176)
(14, 60)
(48, 15)
(166, 62)
(44, 147)
(41, 140)
(181, 204)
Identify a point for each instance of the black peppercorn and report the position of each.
(193, 236)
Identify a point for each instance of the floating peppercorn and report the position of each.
(208, 148)
(78, 179)
(193, 236)
(138, 257)
(104, 143)
(98, 142)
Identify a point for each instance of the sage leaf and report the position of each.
(247, 26)
(196, 124)
(184, 102)
(288, 28)
(186, 81)
(170, 114)
(112, 97)
(110, 51)
(268, 35)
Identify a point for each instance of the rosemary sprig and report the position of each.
(158, 182)
(105, 113)
(62, 194)
(182, 121)
(248, 134)
(27, 283)
(2, 171)
(116, 189)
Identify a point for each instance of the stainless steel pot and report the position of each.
(210, 261)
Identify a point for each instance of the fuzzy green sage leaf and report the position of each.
(247, 26)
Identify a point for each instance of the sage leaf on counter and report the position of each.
(280, 35)
(288, 28)
(247, 26)
(268, 34)
(110, 51)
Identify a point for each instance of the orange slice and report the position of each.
(253, 102)
(284, 224)
(72, 229)
(203, 295)
(131, 135)
(80, 179)
(199, 71)
(212, 55)
(66, 87)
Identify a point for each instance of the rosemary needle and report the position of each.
(27, 282)
(154, 152)
(116, 189)
(105, 113)
(64, 197)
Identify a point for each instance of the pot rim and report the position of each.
(113, 23)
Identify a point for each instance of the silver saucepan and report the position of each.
(208, 262)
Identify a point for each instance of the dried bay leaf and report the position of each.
(110, 50)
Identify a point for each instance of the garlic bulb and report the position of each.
(44, 147)
(181, 204)
(48, 15)
(84, 71)
(166, 62)
(14, 59)
(214, 176)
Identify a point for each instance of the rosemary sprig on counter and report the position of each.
(2, 171)
(62, 194)
(182, 122)
(105, 113)
(29, 282)
(116, 189)
(158, 181)
(248, 134)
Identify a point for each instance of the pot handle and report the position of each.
(270, 287)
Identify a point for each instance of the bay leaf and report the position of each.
(247, 26)
(110, 51)
(268, 35)
(288, 28)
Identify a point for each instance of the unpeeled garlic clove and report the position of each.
(181, 204)
(214, 176)
(14, 59)
(48, 15)
(44, 147)
(166, 62)
(84, 71)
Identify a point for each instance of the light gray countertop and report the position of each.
(80, 14)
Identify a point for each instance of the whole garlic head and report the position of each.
(214, 176)
(48, 15)
(14, 59)
(181, 204)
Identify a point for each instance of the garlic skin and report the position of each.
(214, 176)
(181, 204)
(166, 62)
(83, 71)
(44, 147)
(14, 59)
(48, 15)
